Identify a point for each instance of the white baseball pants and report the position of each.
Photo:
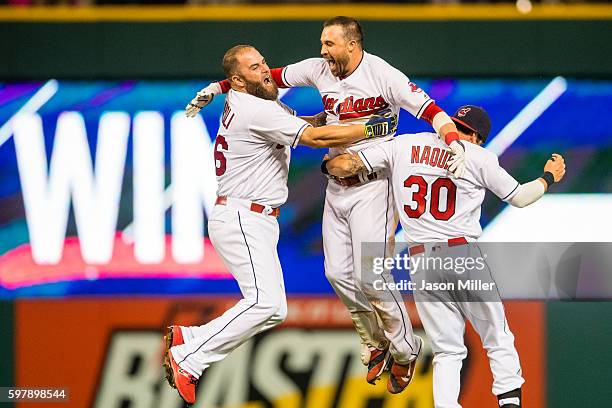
(444, 324)
(246, 241)
(352, 216)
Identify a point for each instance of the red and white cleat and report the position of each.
(401, 375)
(379, 362)
(173, 337)
(184, 382)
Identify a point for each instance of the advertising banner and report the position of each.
(106, 352)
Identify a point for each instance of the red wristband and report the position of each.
(450, 137)
(430, 112)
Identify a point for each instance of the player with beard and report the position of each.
(355, 85)
(252, 153)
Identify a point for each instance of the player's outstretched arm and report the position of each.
(344, 165)
(205, 95)
(529, 193)
(332, 136)
(337, 136)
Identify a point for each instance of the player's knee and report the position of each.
(281, 313)
(273, 311)
(333, 275)
(267, 310)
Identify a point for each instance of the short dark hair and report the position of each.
(466, 130)
(230, 59)
(351, 27)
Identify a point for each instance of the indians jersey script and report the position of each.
(372, 87)
(433, 205)
(252, 148)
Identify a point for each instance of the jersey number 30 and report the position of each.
(419, 196)
(220, 160)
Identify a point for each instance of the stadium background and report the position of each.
(95, 328)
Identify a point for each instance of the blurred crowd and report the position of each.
(158, 2)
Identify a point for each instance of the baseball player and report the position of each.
(355, 85)
(440, 213)
(252, 161)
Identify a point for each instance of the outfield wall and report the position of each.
(188, 42)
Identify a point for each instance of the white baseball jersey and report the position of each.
(433, 205)
(373, 86)
(252, 148)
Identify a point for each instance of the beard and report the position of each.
(338, 65)
(262, 91)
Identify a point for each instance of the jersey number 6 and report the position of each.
(419, 196)
(220, 160)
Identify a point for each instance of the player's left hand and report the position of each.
(202, 98)
(556, 166)
(382, 124)
(456, 164)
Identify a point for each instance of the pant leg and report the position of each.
(339, 270)
(489, 321)
(372, 219)
(445, 327)
(246, 242)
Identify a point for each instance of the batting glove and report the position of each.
(456, 164)
(382, 124)
(202, 98)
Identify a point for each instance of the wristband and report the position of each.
(548, 178)
(450, 137)
(324, 167)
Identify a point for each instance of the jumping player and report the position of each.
(442, 214)
(354, 85)
(252, 162)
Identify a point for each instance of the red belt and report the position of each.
(353, 180)
(418, 249)
(258, 208)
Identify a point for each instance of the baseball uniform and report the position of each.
(252, 153)
(436, 208)
(362, 213)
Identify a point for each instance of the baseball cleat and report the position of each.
(400, 375)
(173, 337)
(379, 362)
(184, 382)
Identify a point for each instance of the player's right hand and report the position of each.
(202, 98)
(456, 164)
(556, 166)
(382, 124)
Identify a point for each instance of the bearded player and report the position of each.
(355, 85)
(441, 218)
(252, 153)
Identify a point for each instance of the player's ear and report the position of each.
(351, 45)
(237, 80)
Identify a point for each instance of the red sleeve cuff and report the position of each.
(277, 76)
(430, 112)
(225, 86)
(450, 137)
